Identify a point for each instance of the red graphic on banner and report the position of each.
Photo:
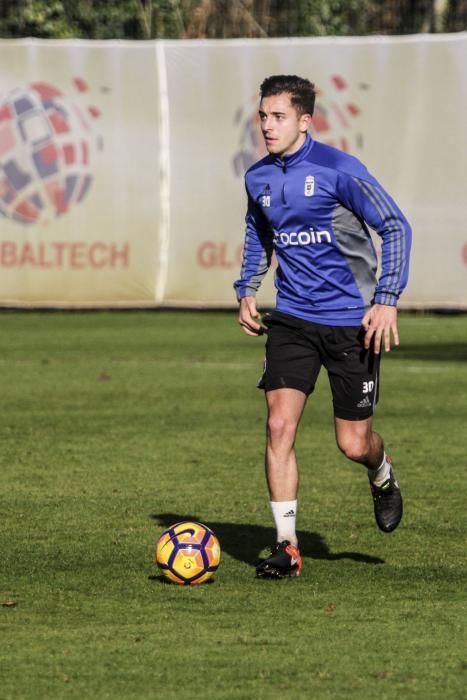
(47, 147)
(76, 255)
(218, 254)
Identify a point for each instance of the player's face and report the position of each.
(284, 130)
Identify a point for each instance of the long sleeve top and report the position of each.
(313, 209)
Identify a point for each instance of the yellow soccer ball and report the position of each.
(188, 553)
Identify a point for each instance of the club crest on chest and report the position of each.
(309, 186)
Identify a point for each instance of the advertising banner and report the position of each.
(80, 177)
(122, 163)
(398, 104)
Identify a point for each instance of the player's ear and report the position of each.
(305, 122)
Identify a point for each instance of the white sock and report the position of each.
(285, 516)
(378, 476)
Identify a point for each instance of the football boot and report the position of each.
(283, 562)
(387, 501)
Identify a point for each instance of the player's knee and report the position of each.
(354, 448)
(280, 429)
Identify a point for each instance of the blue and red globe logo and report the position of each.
(335, 122)
(48, 146)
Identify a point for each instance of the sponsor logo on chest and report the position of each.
(283, 239)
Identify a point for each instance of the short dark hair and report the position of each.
(302, 91)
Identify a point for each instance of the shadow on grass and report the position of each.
(244, 542)
(432, 352)
(165, 581)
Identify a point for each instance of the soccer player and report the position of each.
(312, 205)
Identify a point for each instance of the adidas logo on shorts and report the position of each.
(364, 403)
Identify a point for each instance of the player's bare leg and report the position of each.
(360, 443)
(285, 408)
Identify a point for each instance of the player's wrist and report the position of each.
(386, 299)
(245, 294)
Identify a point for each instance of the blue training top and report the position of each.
(313, 209)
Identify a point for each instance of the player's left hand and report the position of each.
(379, 323)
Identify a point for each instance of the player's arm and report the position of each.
(372, 204)
(249, 317)
(257, 253)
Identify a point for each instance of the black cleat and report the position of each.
(285, 561)
(387, 501)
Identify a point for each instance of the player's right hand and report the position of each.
(249, 317)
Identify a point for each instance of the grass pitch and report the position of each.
(115, 425)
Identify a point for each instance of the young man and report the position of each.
(312, 205)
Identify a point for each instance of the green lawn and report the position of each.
(116, 425)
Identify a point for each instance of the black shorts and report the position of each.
(296, 350)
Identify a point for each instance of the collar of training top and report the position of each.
(288, 160)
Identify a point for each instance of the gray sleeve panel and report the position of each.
(396, 243)
(355, 244)
(254, 279)
(257, 252)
